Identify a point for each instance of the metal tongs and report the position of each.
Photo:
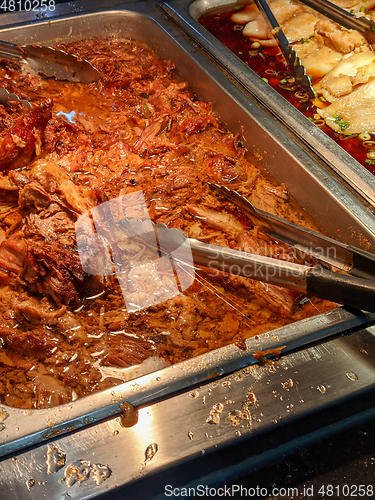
(49, 62)
(292, 60)
(362, 24)
(351, 291)
(356, 292)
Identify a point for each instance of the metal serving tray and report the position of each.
(315, 189)
(187, 12)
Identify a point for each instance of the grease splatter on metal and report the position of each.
(150, 452)
(56, 458)
(30, 483)
(214, 417)
(100, 473)
(235, 417)
(194, 393)
(288, 384)
(77, 472)
(129, 416)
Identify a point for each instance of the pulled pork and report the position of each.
(137, 129)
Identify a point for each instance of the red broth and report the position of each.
(270, 65)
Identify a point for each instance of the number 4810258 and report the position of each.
(28, 5)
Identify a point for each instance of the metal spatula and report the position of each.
(51, 62)
(291, 58)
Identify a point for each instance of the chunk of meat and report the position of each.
(25, 137)
(125, 351)
(222, 168)
(354, 112)
(345, 41)
(38, 343)
(55, 181)
(300, 26)
(216, 220)
(49, 390)
(35, 311)
(8, 190)
(13, 252)
(281, 299)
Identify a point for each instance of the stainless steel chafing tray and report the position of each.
(336, 365)
(187, 12)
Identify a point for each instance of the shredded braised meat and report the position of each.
(65, 332)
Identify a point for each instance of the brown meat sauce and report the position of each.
(138, 128)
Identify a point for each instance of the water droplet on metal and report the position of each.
(237, 433)
(2, 427)
(129, 416)
(226, 383)
(352, 376)
(194, 393)
(190, 435)
(115, 433)
(55, 458)
(30, 483)
(100, 473)
(321, 388)
(203, 452)
(150, 452)
(158, 379)
(363, 351)
(204, 399)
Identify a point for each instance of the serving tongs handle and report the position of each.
(350, 291)
(340, 16)
(354, 292)
(292, 60)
